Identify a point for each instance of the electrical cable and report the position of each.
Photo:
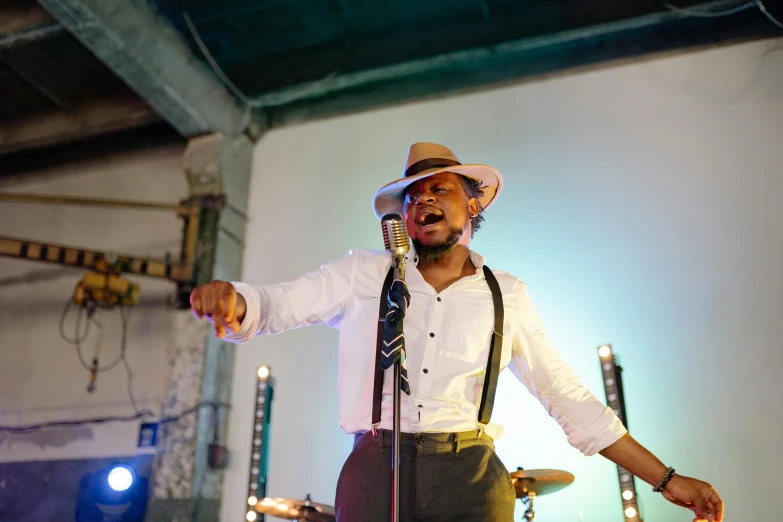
(727, 12)
(233, 88)
(121, 357)
(70, 423)
(771, 18)
(124, 315)
(77, 339)
(710, 14)
(247, 102)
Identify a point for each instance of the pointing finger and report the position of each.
(234, 326)
(196, 304)
(219, 317)
(230, 314)
(208, 303)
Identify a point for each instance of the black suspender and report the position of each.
(493, 361)
(378, 386)
(495, 351)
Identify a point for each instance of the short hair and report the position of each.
(473, 189)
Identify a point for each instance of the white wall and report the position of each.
(641, 207)
(40, 376)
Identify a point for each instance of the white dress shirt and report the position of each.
(447, 337)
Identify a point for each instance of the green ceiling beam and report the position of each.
(151, 57)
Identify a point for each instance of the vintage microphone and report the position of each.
(395, 239)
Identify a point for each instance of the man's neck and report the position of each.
(450, 268)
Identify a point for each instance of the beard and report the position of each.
(437, 251)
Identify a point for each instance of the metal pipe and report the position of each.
(92, 202)
(190, 244)
(92, 259)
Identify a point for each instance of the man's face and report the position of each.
(437, 208)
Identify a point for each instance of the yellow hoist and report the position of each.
(105, 290)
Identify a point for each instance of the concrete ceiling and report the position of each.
(75, 69)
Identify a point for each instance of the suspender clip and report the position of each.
(374, 431)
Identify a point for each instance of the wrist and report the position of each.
(673, 482)
(665, 480)
(241, 307)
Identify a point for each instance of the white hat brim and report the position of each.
(389, 198)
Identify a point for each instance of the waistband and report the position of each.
(427, 442)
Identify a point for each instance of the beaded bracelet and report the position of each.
(664, 480)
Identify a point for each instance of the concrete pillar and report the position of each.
(184, 487)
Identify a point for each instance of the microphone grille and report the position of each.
(395, 234)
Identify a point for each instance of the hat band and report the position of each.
(429, 163)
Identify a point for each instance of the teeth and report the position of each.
(426, 213)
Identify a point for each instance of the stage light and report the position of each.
(613, 387)
(120, 478)
(116, 493)
(251, 516)
(259, 450)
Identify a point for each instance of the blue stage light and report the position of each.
(116, 493)
(120, 478)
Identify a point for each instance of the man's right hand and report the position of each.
(220, 303)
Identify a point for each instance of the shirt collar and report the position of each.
(475, 258)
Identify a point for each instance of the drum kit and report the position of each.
(528, 485)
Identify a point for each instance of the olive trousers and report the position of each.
(454, 477)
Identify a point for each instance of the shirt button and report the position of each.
(425, 370)
(420, 406)
(432, 334)
(439, 299)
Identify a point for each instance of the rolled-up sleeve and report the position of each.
(588, 424)
(313, 298)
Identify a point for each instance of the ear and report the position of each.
(473, 206)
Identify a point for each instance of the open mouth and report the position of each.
(429, 218)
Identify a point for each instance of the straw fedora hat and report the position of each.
(426, 159)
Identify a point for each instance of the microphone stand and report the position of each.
(399, 273)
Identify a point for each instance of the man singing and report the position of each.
(449, 470)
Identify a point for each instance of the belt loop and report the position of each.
(456, 444)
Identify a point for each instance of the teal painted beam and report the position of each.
(151, 57)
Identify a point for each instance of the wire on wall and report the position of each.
(91, 311)
(124, 314)
(71, 423)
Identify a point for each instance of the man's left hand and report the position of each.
(698, 496)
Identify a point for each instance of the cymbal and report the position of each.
(295, 509)
(540, 481)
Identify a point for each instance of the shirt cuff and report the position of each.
(599, 434)
(255, 313)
